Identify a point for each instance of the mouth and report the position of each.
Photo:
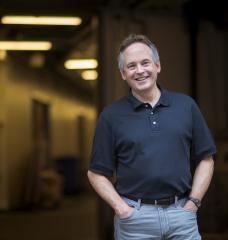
(141, 79)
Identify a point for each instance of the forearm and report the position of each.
(202, 178)
(201, 181)
(105, 189)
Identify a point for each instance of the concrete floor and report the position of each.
(75, 219)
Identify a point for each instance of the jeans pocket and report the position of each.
(181, 207)
(187, 210)
(131, 216)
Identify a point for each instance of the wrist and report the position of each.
(196, 201)
(121, 208)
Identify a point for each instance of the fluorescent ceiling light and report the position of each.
(42, 20)
(89, 75)
(25, 45)
(81, 64)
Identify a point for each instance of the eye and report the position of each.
(145, 63)
(131, 66)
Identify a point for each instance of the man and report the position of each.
(150, 139)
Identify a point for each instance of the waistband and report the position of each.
(162, 201)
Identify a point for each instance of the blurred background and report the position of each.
(56, 75)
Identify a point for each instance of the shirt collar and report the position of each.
(163, 100)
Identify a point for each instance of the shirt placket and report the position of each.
(153, 117)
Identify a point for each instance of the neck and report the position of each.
(150, 97)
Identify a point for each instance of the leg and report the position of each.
(182, 223)
(143, 224)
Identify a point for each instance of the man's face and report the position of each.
(139, 71)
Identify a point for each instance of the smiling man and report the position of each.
(150, 139)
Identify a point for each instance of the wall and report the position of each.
(171, 37)
(212, 75)
(21, 87)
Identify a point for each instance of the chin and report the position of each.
(143, 87)
(140, 89)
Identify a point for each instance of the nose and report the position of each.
(139, 69)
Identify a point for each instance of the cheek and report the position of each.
(152, 72)
(128, 75)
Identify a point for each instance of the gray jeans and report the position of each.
(157, 222)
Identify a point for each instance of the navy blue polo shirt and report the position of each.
(151, 149)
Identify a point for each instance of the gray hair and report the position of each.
(134, 38)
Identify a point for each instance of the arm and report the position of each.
(201, 180)
(104, 187)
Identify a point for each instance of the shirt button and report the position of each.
(151, 113)
(146, 105)
(154, 122)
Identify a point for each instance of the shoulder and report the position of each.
(183, 102)
(177, 95)
(181, 98)
(118, 106)
(110, 115)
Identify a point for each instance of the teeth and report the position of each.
(140, 79)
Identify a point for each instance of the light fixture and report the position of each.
(81, 64)
(89, 75)
(41, 20)
(25, 45)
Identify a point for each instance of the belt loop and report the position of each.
(155, 202)
(176, 199)
(138, 204)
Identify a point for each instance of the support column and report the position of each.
(113, 28)
(3, 165)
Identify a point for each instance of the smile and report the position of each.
(141, 79)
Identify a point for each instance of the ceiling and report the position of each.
(80, 40)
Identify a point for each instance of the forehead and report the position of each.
(137, 51)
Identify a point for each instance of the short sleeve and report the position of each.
(202, 141)
(102, 159)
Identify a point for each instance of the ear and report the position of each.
(158, 65)
(123, 75)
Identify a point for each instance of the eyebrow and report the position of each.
(131, 63)
(144, 60)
